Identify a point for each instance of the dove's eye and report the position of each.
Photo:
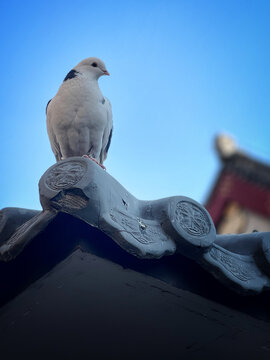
(94, 64)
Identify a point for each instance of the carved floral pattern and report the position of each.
(192, 219)
(65, 175)
(241, 270)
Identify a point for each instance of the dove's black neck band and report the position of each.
(72, 74)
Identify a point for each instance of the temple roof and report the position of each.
(241, 163)
(242, 178)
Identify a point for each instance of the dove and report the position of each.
(79, 117)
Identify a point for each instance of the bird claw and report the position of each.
(91, 158)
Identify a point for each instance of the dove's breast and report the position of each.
(78, 104)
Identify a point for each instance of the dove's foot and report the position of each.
(91, 158)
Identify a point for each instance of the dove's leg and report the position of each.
(91, 158)
(95, 152)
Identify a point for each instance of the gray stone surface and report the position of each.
(88, 307)
(11, 219)
(146, 229)
(23, 234)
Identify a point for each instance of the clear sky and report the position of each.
(181, 72)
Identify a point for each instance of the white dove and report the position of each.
(79, 117)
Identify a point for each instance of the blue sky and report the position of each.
(181, 72)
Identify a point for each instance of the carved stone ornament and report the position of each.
(192, 218)
(146, 229)
(65, 175)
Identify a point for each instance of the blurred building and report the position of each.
(239, 201)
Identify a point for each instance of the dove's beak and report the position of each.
(106, 72)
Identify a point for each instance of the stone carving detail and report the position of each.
(65, 175)
(237, 268)
(70, 199)
(141, 230)
(192, 219)
(22, 229)
(24, 234)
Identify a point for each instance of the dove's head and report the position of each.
(94, 66)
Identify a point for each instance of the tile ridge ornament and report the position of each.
(146, 229)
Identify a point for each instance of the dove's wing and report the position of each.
(107, 137)
(54, 144)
